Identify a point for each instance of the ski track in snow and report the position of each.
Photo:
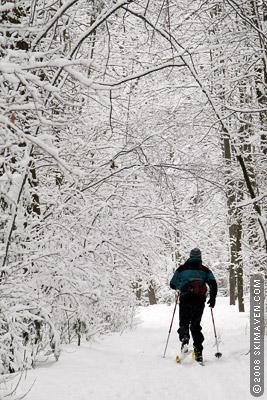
(130, 366)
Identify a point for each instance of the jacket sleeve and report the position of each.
(211, 281)
(175, 281)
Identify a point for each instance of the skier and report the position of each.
(190, 279)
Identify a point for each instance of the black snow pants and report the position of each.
(190, 314)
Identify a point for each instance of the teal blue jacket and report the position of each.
(193, 269)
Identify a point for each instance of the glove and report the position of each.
(212, 302)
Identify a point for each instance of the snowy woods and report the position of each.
(130, 132)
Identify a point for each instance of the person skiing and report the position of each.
(190, 279)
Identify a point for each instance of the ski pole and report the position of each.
(218, 354)
(171, 324)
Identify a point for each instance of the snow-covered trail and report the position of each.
(131, 366)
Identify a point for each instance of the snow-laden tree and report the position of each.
(81, 230)
(233, 40)
(73, 249)
(218, 42)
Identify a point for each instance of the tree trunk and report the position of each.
(152, 295)
(230, 194)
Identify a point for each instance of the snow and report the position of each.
(131, 366)
(7, 7)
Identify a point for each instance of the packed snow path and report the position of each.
(130, 366)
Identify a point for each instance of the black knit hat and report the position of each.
(195, 253)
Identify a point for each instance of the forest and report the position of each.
(130, 132)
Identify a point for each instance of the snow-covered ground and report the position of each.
(130, 366)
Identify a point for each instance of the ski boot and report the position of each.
(184, 349)
(198, 356)
(184, 346)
